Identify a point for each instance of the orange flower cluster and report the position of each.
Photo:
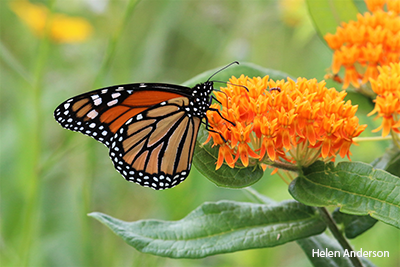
(61, 28)
(373, 40)
(387, 102)
(286, 121)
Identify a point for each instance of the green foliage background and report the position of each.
(51, 178)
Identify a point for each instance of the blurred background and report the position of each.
(52, 178)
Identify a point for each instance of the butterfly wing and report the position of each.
(100, 113)
(155, 147)
(147, 127)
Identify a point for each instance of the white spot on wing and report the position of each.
(115, 95)
(92, 114)
(66, 105)
(97, 101)
(113, 102)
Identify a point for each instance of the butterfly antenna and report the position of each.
(227, 66)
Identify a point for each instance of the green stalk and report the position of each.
(13, 63)
(338, 235)
(396, 138)
(87, 237)
(285, 166)
(31, 212)
(371, 138)
(112, 44)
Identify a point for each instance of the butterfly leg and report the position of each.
(209, 128)
(219, 113)
(216, 100)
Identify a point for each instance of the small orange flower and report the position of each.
(240, 139)
(61, 28)
(269, 133)
(387, 102)
(297, 122)
(363, 45)
(224, 152)
(351, 129)
(330, 127)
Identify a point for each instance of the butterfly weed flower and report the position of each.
(60, 28)
(372, 40)
(387, 102)
(283, 123)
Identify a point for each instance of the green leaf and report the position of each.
(354, 225)
(248, 69)
(323, 243)
(219, 227)
(355, 187)
(257, 197)
(390, 161)
(328, 14)
(205, 158)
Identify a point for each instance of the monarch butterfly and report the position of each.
(149, 128)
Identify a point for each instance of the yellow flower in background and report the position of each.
(387, 102)
(61, 28)
(294, 14)
(371, 41)
(266, 121)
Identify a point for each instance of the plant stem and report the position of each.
(112, 44)
(371, 138)
(87, 235)
(396, 138)
(14, 64)
(338, 235)
(31, 218)
(285, 166)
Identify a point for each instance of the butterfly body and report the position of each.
(149, 128)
